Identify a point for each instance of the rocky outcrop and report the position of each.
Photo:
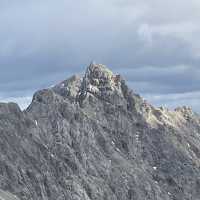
(100, 82)
(92, 138)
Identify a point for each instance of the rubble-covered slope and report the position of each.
(92, 138)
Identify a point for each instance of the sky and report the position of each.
(153, 44)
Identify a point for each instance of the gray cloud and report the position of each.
(154, 44)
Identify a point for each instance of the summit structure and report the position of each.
(90, 137)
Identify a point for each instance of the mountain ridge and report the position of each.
(92, 137)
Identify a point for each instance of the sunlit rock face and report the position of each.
(100, 82)
(91, 137)
(101, 79)
(7, 196)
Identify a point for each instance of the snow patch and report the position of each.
(52, 156)
(117, 149)
(155, 168)
(62, 85)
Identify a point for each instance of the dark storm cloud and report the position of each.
(153, 44)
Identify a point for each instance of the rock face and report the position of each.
(7, 196)
(92, 138)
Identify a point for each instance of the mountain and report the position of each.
(92, 138)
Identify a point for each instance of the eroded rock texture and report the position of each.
(92, 138)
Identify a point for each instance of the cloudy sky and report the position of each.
(154, 44)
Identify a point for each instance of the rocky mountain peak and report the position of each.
(91, 137)
(99, 73)
(100, 82)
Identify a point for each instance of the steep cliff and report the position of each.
(92, 138)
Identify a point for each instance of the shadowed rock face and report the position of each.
(92, 138)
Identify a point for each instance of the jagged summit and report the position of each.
(91, 137)
(98, 81)
(101, 83)
(103, 78)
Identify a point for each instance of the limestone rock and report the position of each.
(92, 138)
(7, 196)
